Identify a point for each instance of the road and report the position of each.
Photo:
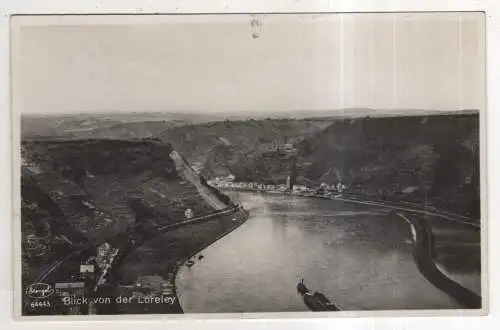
(189, 174)
(444, 215)
(397, 206)
(359, 256)
(76, 257)
(423, 254)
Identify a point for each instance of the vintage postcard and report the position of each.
(255, 164)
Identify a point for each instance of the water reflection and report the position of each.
(357, 256)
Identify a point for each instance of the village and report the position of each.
(323, 190)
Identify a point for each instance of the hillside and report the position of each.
(113, 125)
(220, 159)
(128, 130)
(424, 159)
(216, 146)
(82, 191)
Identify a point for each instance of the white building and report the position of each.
(299, 188)
(189, 214)
(104, 249)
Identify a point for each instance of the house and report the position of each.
(189, 214)
(299, 188)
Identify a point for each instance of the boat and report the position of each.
(316, 301)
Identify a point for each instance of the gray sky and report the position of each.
(421, 61)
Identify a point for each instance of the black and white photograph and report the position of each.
(249, 163)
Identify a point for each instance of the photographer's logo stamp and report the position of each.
(39, 291)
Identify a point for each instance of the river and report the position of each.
(358, 256)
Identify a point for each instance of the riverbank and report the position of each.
(424, 254)
(352, 198)
(109, 290)
(162, 257)
(358, 256)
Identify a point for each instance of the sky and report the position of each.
(271, 63)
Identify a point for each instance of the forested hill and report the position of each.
(432, 159)
(426, 159)
(202, 142)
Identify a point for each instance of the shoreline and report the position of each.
(213, 227)
(206, 237)
(177, 268)
(181, 262)
(423, 251)
(171, 268)
(406, 206)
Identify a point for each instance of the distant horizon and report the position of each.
(246, 112)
